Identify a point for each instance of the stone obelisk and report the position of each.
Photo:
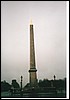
(32, 71)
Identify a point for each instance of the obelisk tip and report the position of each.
(31, 22)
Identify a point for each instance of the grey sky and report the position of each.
(50, 39)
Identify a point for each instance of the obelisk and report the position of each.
(32, 71)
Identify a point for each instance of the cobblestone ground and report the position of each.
(32, 95)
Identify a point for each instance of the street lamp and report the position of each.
(21, 86)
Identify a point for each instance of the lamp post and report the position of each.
(54, 81)
(21, 82)
(21, 87)
(54, 77)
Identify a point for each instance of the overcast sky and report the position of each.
(49, 20)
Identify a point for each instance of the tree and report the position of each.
(5, 86)
(15, 84)
(44, 83)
